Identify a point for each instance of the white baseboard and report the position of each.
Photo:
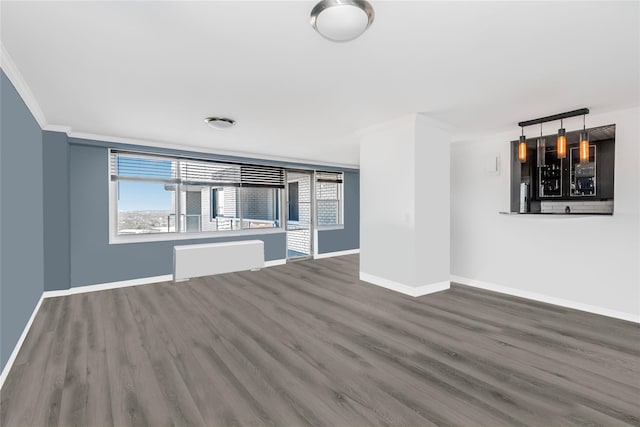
(126, 283)
(417, 291)
(16, 349)
(275, 262)
(547, 299)
(338, 253)
(105, 286)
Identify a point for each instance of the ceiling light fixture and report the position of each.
(541, 146)
(522, 148)
(562, 137)
(341, 20)
(562, 142)
(220, 122)
(584, 143)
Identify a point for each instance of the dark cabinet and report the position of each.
(544, 178)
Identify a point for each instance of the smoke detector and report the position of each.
(220, 122)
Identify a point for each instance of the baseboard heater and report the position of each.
(216, 258)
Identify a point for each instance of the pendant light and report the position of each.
(584, 143)
(522, 148)
(541, 146)
(562, 142)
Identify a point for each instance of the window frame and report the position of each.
(340, 224)
(178, 234)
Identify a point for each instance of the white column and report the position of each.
(433, 193)
(404, 206)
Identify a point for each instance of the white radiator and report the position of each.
(216, 258)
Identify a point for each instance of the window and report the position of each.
(145, 207)
(156, 194)
(260, 208)
(329, 198)
(294, 201)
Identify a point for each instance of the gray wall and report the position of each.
(54, 217)
(94, 260)
(349, 237)
(57, 268)
(21, 217)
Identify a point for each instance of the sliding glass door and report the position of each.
(299, 188)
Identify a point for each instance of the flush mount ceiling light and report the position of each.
(341, 20)
(219, 122)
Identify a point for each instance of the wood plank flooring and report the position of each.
(307, 343)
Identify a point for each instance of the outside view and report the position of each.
(147, 199)
(145, 207)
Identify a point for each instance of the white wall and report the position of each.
(404, 199)
(587, 262)
(432, 197)
(387, 201)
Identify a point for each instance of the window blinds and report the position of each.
(329, 177)
(143, 167)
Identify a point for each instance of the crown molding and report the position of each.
(11, 70)
(404, 120)
(199, 149)
(58, 128)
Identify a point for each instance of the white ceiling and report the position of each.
(155, 70)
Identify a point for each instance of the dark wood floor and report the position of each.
(308, 344)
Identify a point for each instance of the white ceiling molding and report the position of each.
(464, 64)
(199, 149)
(14, 75)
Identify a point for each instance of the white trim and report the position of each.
(57, 128)
(16, 349)
(110, 285)
(330, 227)
(127, 283)
(412, 291)
(201, 149)
(338, 253)
(547, 299)
(168, 237)
(315, 239)
(275, 262)
(13, 73)
(11, 70)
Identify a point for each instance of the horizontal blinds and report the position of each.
(135, 166)
(142, 167)
(328, 176)
(209, 173)
(262, 176)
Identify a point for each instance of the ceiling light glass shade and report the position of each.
(522, 149)
(584, 147)
(341, 20)
(541, 145)
(220, 122)
(562, 143)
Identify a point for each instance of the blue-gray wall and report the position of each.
(348, 237)
(94, 260)
(21, 217)
(54, 217)
(57, 225)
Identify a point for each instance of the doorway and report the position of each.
(299, 224)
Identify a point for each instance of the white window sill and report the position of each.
(164, 237)
(330, 227)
